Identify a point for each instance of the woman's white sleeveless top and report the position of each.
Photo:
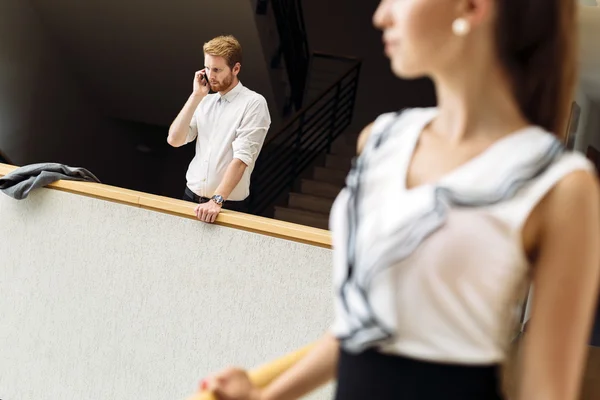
(438, 272)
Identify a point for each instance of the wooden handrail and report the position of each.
(265, 374)
(167, 205)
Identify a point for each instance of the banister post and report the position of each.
(336, 103)
(297, 150)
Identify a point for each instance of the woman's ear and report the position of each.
(476, 12)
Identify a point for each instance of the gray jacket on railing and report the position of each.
(23, 180)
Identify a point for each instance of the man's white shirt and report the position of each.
(226, 127)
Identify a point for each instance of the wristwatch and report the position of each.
(217, 198)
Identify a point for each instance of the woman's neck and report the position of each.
(476, 102)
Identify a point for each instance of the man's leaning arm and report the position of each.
(252, 131)
(232, 177)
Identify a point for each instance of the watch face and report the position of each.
(218, 199)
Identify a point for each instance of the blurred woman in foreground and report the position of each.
(449, 213)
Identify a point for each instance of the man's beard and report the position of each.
(224, 85)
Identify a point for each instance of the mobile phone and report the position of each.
(210, 91)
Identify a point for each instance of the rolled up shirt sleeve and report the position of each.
(252, 131)
(193, 130)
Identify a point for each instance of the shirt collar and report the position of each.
(232, 94)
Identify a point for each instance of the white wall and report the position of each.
(589, 57)
(581, 140)
(106, 301)
(593, 124)
(588, 132)
(590, 78)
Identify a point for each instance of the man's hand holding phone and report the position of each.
(201, 86)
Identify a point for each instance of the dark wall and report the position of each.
(45, 116)
(137, 57)
(4, 159)
(40, 105)
(345, 27)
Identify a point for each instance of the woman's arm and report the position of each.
(363, 137)
(566, 277)
(313, 370)
(316, 369)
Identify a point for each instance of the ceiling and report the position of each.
(590, 49)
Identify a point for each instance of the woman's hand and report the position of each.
(231, 384)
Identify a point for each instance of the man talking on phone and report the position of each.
(229, 123)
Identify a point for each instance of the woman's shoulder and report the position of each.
(396, 120)
(571, 205)
(568, 185)
(403, 117)
(572, 175)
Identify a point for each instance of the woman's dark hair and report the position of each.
(537, 42)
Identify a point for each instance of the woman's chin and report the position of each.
(404, 71)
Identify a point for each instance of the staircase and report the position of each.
(303, 166)
(313, 141)
(311, 203)
(292, 54)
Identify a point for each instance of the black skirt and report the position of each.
(373, 375)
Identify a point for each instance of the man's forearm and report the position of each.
(232, 177)
(180, 127)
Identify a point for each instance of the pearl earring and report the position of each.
(461, 27)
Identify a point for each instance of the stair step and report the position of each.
(302, 217)
(317, 188)
(340, 162)
(341, 147)
(310, 203)
(330, 175)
